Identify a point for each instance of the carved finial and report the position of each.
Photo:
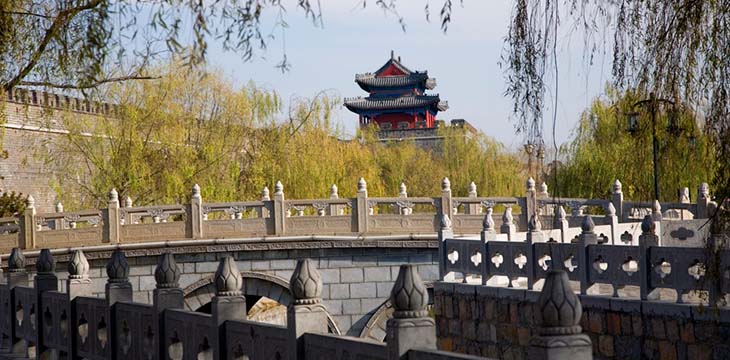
(445, 222)
(587, 225)
(530, 184)
(617, 187)
(488, 223)
(362, 186)
(45, 263)
(167, 273)
(196, 191)
(535, 223)
(403, 190)
(610, 210)
(334, 192)
(409, 296)
(265, 194)
(117, 268)
(306, 283)
(278, 188)
(30, 201)
(228, 279)
(648, 226)
(446, 184)
(78, 266)
(16, 261)
(684, 196)
(656, 206)
(113, 195)
(703, 191)
(543, 188)
(560, 309)
(472, 189)
(507, 217)
(560, 212)
(128, 202)
(59, 207)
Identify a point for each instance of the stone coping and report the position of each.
(623, 305)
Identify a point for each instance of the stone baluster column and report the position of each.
(530, 205)
(280, 210)
(612, 220)
(77, 284)
(447, 204)
(488, 233)
(45, 280)
(118, 288)
(362, 208)
(587, 237)
(561, 222)
(445, 232)
(59, 223)
(559, 336)
(617, 199)
(167, 293)
(127, 218)
(656, 211)
(647, 239)
(333, 208)
(195, 220)
(508, 224)
(228, 303)
(263, 211)
(684, 199)
(402, 194)
(473, 208)
(14, 346)
(306, 314)
(110, 217)
(26, 238)
(410, 327)
(534, 234)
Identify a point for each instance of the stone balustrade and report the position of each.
(648, 265)
(273, 215)
(42, 322)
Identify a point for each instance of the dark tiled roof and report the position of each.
(394, 62)
(369, 80)
(403, 102)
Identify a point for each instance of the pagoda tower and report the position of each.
(397, 98)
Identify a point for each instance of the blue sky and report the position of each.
(464, 61)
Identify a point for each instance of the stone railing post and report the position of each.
(77, 284)
(703, 201)
(473, 208)
(488, 233)
(561, 222)
(59, 223)
(508, 224)
(306, 314)
(587, 237)
(118, 288)
(167, 293)
(647, 239)
(335, 209)
(534, 234)
(15, 346)
(26, 238)
(447, 204)
(45, 280)
(410, 327)
(559, 335)
(362, 209)
(263, 211)
(110, 217)
(530, 202)
(402, 194)
(127, 218)
(656, 211)
(612, 220)
(195, 214)
(228, 303)
(279, 209)
(445, 232)
(617, 199)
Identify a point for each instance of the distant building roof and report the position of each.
(402, 102)
(368, 81)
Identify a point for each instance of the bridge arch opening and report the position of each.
(267, 297)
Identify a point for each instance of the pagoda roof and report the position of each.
(402, 102)
(368, 81)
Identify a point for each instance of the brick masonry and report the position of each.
(498, 323)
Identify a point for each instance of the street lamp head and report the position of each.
(633, 122)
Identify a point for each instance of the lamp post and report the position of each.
(633, 124)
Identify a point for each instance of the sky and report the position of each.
(464, 61)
